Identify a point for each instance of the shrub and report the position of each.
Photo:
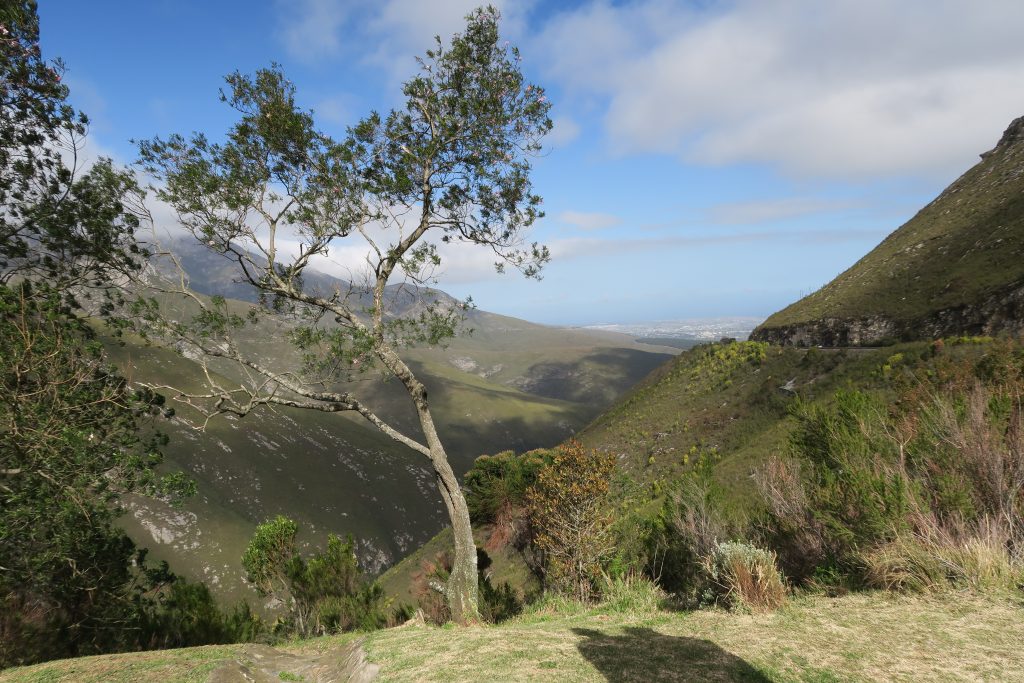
(692, 524)
(632, 593)
(740, 575)
(790, 527)
(495, 489)
(186, 614)
(497, 482)
(325, 594)
(568, 509)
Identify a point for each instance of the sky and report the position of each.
(708, 158)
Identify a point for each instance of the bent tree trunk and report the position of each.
(462, 589)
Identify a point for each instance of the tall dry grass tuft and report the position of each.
(695, 516)
(986, 432)
(940, 554)
(746, 577)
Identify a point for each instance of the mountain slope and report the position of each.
(957, 267)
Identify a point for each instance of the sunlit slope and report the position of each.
(956, 267)
(727, 405)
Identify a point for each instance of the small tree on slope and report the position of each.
(452, 165)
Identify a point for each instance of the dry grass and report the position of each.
(937, 557)
(746, 577)
(863, 637)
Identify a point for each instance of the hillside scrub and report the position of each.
(920, 493)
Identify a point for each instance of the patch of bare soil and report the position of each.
(264, 664)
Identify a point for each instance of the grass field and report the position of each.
(858, 637)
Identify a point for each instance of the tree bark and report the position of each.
(462, 590)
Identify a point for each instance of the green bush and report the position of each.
(497, 602)
(186, 614)
(499, 482)
(631, 594)
(324, 594)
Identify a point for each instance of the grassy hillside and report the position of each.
(955, 267)
(865, 637)
(727, 403)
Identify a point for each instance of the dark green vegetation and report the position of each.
(72, 439)
(957, 267)
(71, 582)
(325, 593)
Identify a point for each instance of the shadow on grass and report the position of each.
(643, 654)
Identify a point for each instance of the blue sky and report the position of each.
(708, 159)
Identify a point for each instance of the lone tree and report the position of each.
(452, 165)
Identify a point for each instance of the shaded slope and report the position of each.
(956, 267)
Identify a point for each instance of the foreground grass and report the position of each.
(864, 637)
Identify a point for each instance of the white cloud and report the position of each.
(388, 34)
(582, 247)
(565, 130)
(336, 109)
(589, 221)
(406, 28)
(311, 29)
(775, 209)
(846, 88)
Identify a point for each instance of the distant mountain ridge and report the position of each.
(957, 267)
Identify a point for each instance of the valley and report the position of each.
(507, 384)
(261, 419)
